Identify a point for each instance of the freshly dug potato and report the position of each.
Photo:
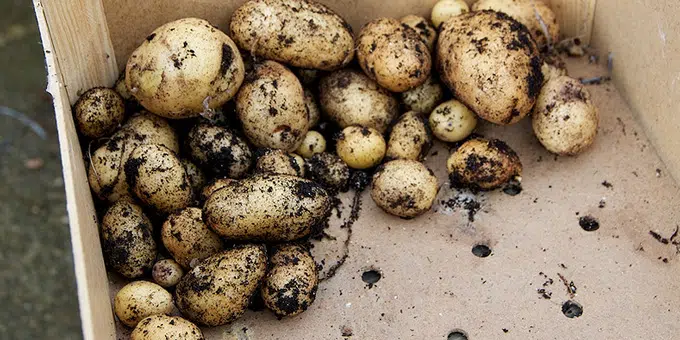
(147, 128)
(217, 291)
(184, 67)
(161, 326)
(551, 71)
(361, 147)
(349, 97)
(219, 150)
(271, 106)
(491, 64)
(275, 161)
(313, 113)
(167, 273)
(299, 33)
(444, 10)
(214, 186)
(270, 208)
(452, 121)
(158, 179)
(565, 120)
(140, 299)
(313, 143)
(329, 170)
(393, 55)
(188, 239)
(291, 283)
(483, 164)
(127, 240)
(410, 138)
(99, 111)
(404, 188)
(424, 98)
(122, 88)
(197, 178)
(422, 27)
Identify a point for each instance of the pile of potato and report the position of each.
(217, 155)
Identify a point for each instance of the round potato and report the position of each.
(422, 27)
(313, 113)
(424, 98)
(404, 188)
(291, 283)
(167, 273)
(452, 121)
(410, 138)
(361, 147)
(313, 143)
(275, 161)
(443, 10)
(491, 64)
(329, 170)
(99, 111)
(219, 150)
(166, 327)
(299, 33)
(140, 299)
(565, 120)
(214, 186)
(217, 291)
(197, 178)
(188, 239)
(147, 128)
(483, 164)
(349, 97)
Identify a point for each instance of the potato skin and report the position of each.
(312, 108)
(188, 239)
(197, 178)
(140, 299)
(410, 138)
(404, 188)
(270, 208)
(452, 121)
(166, 327)
(445, 9)
(423, 27)
(292, 281)
(299, 33)
(219, 150)
(99, 111)
(275, 161)
(217, 291)
(214, 186)
(329, 170)
(425, 97)
(483, 164)
(183, 65)
(313, 143)
(491, 64)
(167, 273)
(361, 147)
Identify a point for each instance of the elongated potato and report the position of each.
(483, 164)
(404, 188)
(166, 327)
(214, 186)
(140, 299)
(291, 283)
(219, 150)
(188, 239)
(410, 138)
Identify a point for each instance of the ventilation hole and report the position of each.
(457, 334)
(513, 188)
(572, 309)
(589, 223)
(371, 277)
(481, 250)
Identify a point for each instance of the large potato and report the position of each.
(271, 208)
(140, 299)
(404, 188)
(410, 138)
(217, 291)
(219, 150)
(162, 326)
(188, 239)
(214, 186)
(491, 64)
(300, 33)
(483, 164)
(271, 107)
(183, 67)
(98, 112)
(291, 283)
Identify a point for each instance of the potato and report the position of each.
(452, 121)
(444, 10)
(329, 170)
(98, 112)
(404, 188)
(147, 128)
(410, 138)
(307, 76)
(483, 164)
(184, 67)
(167, 273)
(393, 55)
(313, 114)
(219, 150)
(275, 161)
(361, 147)
(271, 106)
(299, 33)
(158, 179)
(491, 64)
(313, 143)
(424, 98)
(127, 240)
(217, 291)
(291, 283)
(122, 88)
(188, 239)
(197, 178)
(214, 186)
(565, 120)
(140, 299)
(166, 327)
(270, 208)
(423, 28)
(551, 71)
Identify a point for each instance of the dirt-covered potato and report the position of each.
(404, 188)
(491, 64)
(167, 273)
(349, 97)
(483, 164)
(291, 283)
(188, 239)
(98, 112)
(122, 88)
(425, 97)
(329, 170)
(443, 10)
(422, 27)
(184, 67)
(127, 240)
(219, 150)
(161, 326)
(313, 143)
(217, 291)
(452, 121)
(410, 138)
(271, 106)
(197, 178)
(361, 147)
(394, 55)
(275, 161)
(299, 33)
(147, 128)
(140, 299)
(271, 208)
(565, 120)
(214, 186)
(313, 113)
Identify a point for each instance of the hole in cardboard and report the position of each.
(371, 277)
(513, 188)
(457, 334)
(481, 250)
(572, 309)
(589, 223)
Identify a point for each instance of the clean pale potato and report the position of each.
(313, 113)
(329, 170)
(313, 143)
(140, 299)
(162, 326)
(425, 97)
(275, 161)
(99, 111)
(443, 10)
(188, 239)
(452, 121)
(361, 147)
(410, 138)
(404, 188)
(214, 186)
(167, 273)
(483, 164)
(121, 87)
(422, 27)
(219, 150)
(292, 281)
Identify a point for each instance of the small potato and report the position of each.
(167, 273)
(393, 54)
(483, 164)
(361, 147)
(404, 188)
(291, 283)
(214, 186)
(99, 111)
(276, 161)
(424, 98)
(422, 27)
(443, 10)
(410, 138)
(188, 239)
(122, 88)
(219, 150)
(127, 240)
(217, 291)
(329, 170)
(313, 143)
(349, 97)
(565, 120)
(197, 178)
(184, 67)
(140, 299)
(161, 326)
(452, 121)
(313, 113)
